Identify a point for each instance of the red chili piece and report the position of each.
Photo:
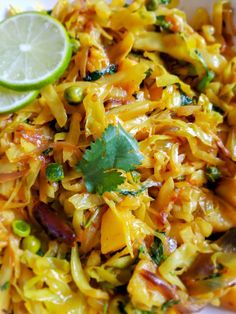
(53, 224)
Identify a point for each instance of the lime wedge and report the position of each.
(11, 100)
(35, 50)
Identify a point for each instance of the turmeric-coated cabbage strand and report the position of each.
(117, 183)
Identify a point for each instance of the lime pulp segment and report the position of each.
(35, 50)
(11, 100)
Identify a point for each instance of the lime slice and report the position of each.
(11, 100)
(35, 50)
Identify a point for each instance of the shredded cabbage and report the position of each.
(137, 248)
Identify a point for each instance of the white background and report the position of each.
(188, 6)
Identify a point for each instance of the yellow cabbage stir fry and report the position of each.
(118, 183)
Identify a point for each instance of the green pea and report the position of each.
(213, 174)
(31, 243)
(54, 172)
(21, 228)
(74, 95)
(152, 5)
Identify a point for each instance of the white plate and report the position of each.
(187, 5)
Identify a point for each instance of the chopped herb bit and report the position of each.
(157, 251)
(209, 75)
(54, 172)
(163, 23)
(185, 100)
(148, 72)
(127, 192)
(40, 252)
(168, 304)
(5, 286)
(47, 151)
(205, 81)
(213, 174)
(133, 193)
(201, 59)
(115, 150)
(112, 69)
(141, 249)
(93, 76)
(126, 5)
(165, 1)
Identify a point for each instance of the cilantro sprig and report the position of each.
(101, 165)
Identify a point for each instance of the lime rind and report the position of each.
(11, 101)
(50, 75)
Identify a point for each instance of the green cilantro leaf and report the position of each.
(47, 151)
(115, 150)
(209, 75)
(96, 75)
(205, 81)
(148, 72)
(185, 100)
(157, 251)
(108, 181)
